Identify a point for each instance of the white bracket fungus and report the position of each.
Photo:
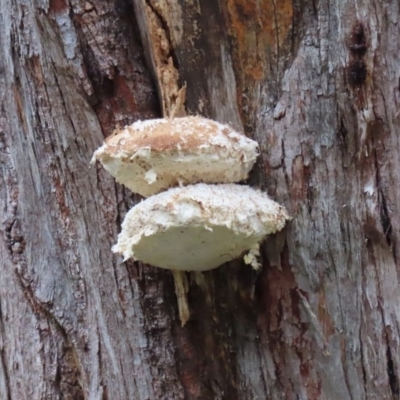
(154, 155)
(196, 227)
(199, 227)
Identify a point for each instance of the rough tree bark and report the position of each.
(317, 84)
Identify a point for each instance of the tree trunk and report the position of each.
(317, 84)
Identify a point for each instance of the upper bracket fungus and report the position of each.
(151, 156)
(199, 227)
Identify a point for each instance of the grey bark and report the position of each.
(316, 84)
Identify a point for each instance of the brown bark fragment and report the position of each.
(160, 52)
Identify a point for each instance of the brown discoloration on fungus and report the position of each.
(163, 137)
(153, 155)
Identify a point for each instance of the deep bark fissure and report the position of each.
(383, 210)
(393, 381)
(338, 283)
(385, 219)
(343, 136)
(57, 381)
(3, 358)
(276, 37)
(261, 372)
(63, 102)
(391, 373)
(164, 25)
(283, 163)
(363, 370)
(100, 363)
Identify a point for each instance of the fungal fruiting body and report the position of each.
(199, 227)
(154, 155)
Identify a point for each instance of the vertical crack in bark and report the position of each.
(101, 362)
(385, 219)
(363, 370)
(390, 365)
(165, 64)
(383, 209)
(393, 381)
(3, 360)
(164, 26)
(63, 102)
(343, 135)
(57, 380)
(276, 19)
(338, 287)
(283, 156)
(263, 381)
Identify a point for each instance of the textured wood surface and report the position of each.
(316, 84)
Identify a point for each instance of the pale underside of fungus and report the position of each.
(154, 155)
(199, 227)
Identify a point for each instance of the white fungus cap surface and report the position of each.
(151, 156)
(199, 227)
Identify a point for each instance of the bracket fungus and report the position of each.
(154, 155)
(199, 227)
(206, 221)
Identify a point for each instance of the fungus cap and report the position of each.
(199, 227)
(151, 156)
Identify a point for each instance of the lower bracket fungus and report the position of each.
(199, 227)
